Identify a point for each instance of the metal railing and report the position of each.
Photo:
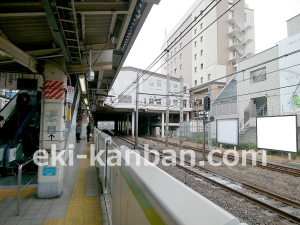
(20, 166)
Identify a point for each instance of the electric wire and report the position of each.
(188, 43)
(170, 46)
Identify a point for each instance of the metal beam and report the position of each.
(112, 25)
(85, 68)
(17, 54)
(52, 21)
(85, 12)
(126, 24)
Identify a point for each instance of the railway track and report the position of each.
(278, 168)
(281, 206)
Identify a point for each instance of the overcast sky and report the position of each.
(270, 26)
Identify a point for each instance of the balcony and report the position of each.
(233, 31)
(235, 57)
(234, 45)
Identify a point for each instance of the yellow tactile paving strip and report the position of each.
(14, 192)
(81, 209)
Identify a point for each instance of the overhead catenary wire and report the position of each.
(274, 71)
(189, 41)
(172, 43)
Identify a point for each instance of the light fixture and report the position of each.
(82, 84)
(91, 74)
(2, 53)
(88, 108)
(86, 101)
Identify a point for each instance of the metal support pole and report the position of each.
(203, 150)
(181, 114)
(167, 110)
(137, 113)
(19, 189)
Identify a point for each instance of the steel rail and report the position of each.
(265, 205)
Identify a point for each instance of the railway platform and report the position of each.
(79, 202)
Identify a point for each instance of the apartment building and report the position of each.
(152, 98)
(268, 89)
(215, 47)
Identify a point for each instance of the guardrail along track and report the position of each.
(278, 168)
(284, 207)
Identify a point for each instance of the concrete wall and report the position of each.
(293, 26)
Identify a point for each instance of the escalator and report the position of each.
(17, 116)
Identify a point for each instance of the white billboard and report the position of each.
(277, 133)
(228, 131)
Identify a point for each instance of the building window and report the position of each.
(195, 31)
(171, 63)
(175, 71)
(201, 80)
(201, 26)
(208, 77)
(202, 66)
(195, 56)
(158, 101)
(181, 56)
(195, 43)
(258, 75)
(171, 73)
(151, 86)
(195, 83)
(126, 99)
(181, 45)
(201, 39)
(181, 67)
(151, 101)
(175, 102)
(145, 101)
(201, 52)
(165, 68)
(171, 53)
(158, 86)
(175, 87)
(175, 60)
(245, 17)
(195, 69)
(175, 50)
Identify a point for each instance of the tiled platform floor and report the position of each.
(78, 204)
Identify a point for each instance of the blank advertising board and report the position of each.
(228, 131)
(277, 133)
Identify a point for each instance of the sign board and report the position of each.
(8, 81)
(51, 129)
(55, 89)
(277, 133)
(69, 114)
(12, 154)
(93, 107)
(228, 131)
(70, 94)
(84, 118)
(49, 171)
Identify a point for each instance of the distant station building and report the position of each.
(152, 101)
(266, 89)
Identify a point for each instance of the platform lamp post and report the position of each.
(137, 112)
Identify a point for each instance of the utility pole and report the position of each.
(168, 105)
(203, 150)
(181, 113)
(167, 110)
(137, 113)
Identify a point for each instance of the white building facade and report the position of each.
(265, 85)
(216, 47)
(152, 97)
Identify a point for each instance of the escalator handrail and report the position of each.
(9, 102)
(17, 133)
